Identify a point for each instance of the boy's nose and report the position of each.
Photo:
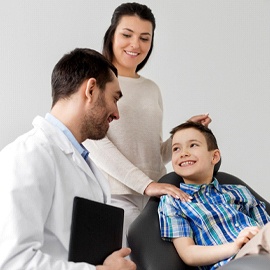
(184, 153)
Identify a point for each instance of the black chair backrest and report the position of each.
(149, 251)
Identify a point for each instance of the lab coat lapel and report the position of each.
(103, 182)
(93, 173)
(89, 168)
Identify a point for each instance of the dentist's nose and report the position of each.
(116, 114)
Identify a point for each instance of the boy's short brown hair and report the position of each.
(207, 133)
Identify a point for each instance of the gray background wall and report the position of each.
(209, 56)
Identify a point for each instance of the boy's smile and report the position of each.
(186, 163)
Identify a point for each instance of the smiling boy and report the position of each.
(220, 219)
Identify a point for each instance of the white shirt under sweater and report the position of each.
(133, 154)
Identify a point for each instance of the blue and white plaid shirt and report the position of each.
(215, 216)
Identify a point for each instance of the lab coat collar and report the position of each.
(58, 138)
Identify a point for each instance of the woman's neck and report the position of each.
(131, 73)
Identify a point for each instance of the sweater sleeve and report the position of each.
(109, 159)
(165, 146)
(166, 150)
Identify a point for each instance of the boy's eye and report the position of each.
(193, 145)
(175, 149)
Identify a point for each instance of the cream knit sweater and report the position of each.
(133, 153)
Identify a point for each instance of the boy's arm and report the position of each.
(196, 255)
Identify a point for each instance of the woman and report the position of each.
(133, 155)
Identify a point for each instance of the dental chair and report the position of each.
(150, 252)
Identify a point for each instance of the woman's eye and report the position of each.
(144, 39)
(126, 35)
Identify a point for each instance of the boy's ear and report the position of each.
(216, 157)
(90, 88)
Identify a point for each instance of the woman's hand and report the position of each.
(204, 119)
(159, 189)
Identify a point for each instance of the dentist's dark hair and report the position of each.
(77, 66)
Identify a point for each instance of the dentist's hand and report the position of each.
(117, 261)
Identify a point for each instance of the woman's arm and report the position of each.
(108, 158)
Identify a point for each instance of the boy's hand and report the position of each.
(159, 189)
(245, 235)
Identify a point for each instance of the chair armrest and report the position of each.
(149, 251)
(250, 262)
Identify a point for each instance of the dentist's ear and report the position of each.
(90, 86)
(216, 157)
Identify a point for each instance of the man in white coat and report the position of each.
(43, 170)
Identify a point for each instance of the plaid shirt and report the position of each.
(215, 216)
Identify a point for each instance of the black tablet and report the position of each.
(96, 231)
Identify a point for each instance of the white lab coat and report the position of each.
(40, 173)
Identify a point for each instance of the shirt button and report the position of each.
(236, 225)
(207, 194)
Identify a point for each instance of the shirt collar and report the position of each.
(192, 188)
(57, 123)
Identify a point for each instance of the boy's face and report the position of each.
(191, 158)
